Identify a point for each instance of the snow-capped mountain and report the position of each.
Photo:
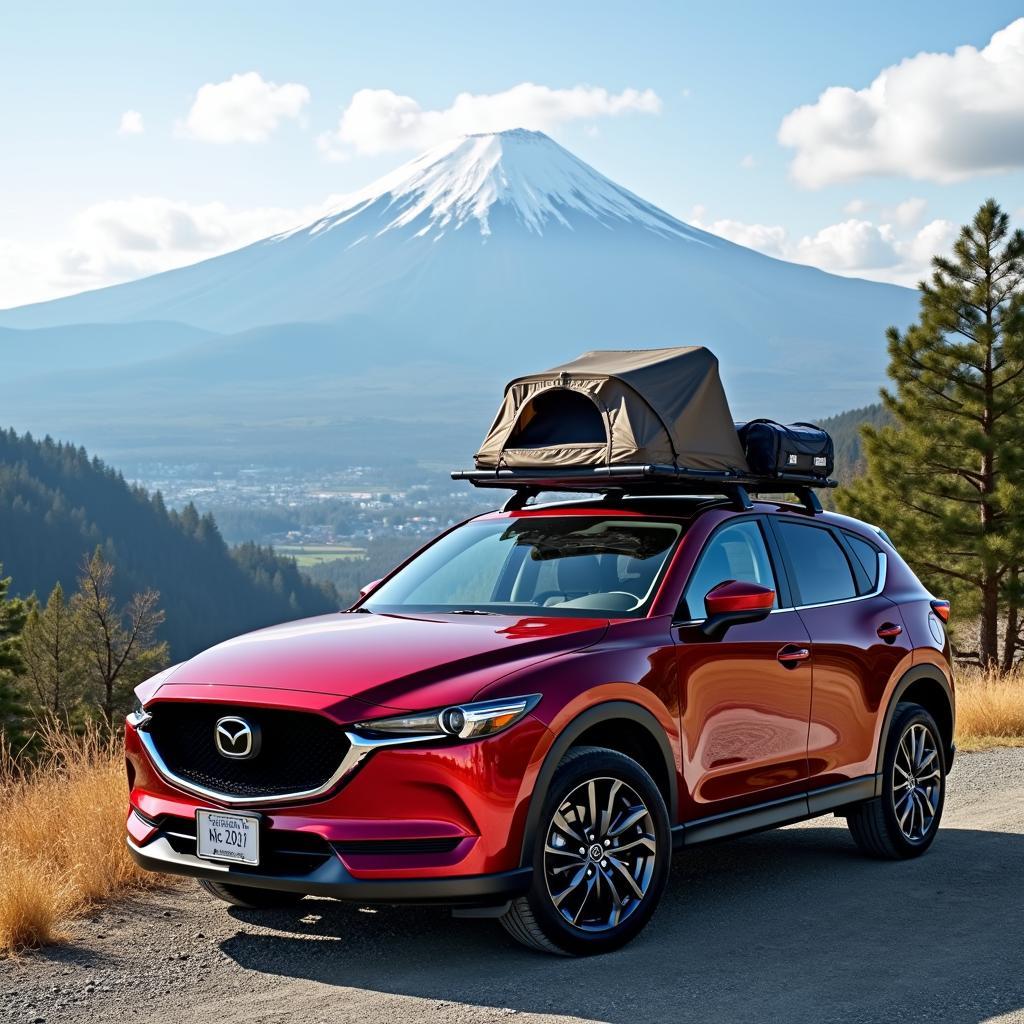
(498, 254)
(519, 172)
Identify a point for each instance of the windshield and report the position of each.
(567, 565)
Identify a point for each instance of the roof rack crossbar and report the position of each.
(646, 480)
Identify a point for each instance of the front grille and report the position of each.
(298, 751)
(281, 852)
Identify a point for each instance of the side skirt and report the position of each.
(775, 813)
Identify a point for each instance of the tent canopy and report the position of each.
(660, 405)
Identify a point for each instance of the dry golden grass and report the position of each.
(989, 709)
(61, 836)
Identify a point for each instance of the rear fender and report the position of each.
(942, 708)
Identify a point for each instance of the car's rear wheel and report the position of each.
(600, 859)
(249, 897)
(904, 820)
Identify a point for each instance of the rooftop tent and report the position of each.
(662, 406)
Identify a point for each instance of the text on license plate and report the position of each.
(221, 835)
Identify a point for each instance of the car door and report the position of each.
(744, 699)
(857, 640)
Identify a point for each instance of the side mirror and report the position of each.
(369, 588)
(733, 602)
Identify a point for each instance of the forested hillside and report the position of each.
(57, 504)
(845, 430)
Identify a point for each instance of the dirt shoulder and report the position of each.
(788, 926)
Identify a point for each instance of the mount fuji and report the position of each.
(414, 299)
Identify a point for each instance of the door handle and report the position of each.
(791, 655)
(888, 631)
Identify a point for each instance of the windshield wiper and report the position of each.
(467, 611)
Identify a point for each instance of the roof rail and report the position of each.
(650, 480)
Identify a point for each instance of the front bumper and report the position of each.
(432, 815)
(333, 880)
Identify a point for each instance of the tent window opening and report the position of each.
(558, 416)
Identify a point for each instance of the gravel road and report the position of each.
(788, 926)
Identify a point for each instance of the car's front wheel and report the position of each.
(904, 820)
(600, 859)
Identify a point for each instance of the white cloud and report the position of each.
(909, 212)
(936, 116)
(934, 238)
(748, 162)
(855, 247)
(855, 206)
(850, 245)
(119, 240)
(766, 238)
(379, 120)
(245, 108)
(131, 123)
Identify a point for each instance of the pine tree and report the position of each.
(13, 613)
(118, 643)
(945, 480)
(52, 655)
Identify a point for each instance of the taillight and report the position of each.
(941, 608)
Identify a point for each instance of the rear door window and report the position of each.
(820, 571)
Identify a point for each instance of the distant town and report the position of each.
(321, 516)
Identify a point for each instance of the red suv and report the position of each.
(527, 717)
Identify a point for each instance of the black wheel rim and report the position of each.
(599, 854)
(916, 782)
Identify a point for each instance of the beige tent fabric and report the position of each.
(663, 406)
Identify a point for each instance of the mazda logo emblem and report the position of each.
(236, 738)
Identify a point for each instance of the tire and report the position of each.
(897, 825)
(250, 897)
(598, 909)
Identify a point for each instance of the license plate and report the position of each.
(224, 836)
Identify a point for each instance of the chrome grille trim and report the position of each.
(359, 749)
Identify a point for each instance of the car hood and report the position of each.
(390, 661)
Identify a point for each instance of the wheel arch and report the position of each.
(928, 686)
(618, 725)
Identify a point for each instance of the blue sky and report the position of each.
(84, 204)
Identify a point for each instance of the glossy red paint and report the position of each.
(853, 668)
(744, 714)
(743, 719)
(738, 596)
(394, 661)
(469, 791)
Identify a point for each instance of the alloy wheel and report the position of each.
(599, 854)
(916, 782)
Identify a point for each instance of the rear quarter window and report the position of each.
(867, 555)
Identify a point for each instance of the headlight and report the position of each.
(462, 721)
(139, 716)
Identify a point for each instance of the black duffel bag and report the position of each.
(774, 449)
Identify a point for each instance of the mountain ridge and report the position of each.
(485, 258)
(60, 504)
